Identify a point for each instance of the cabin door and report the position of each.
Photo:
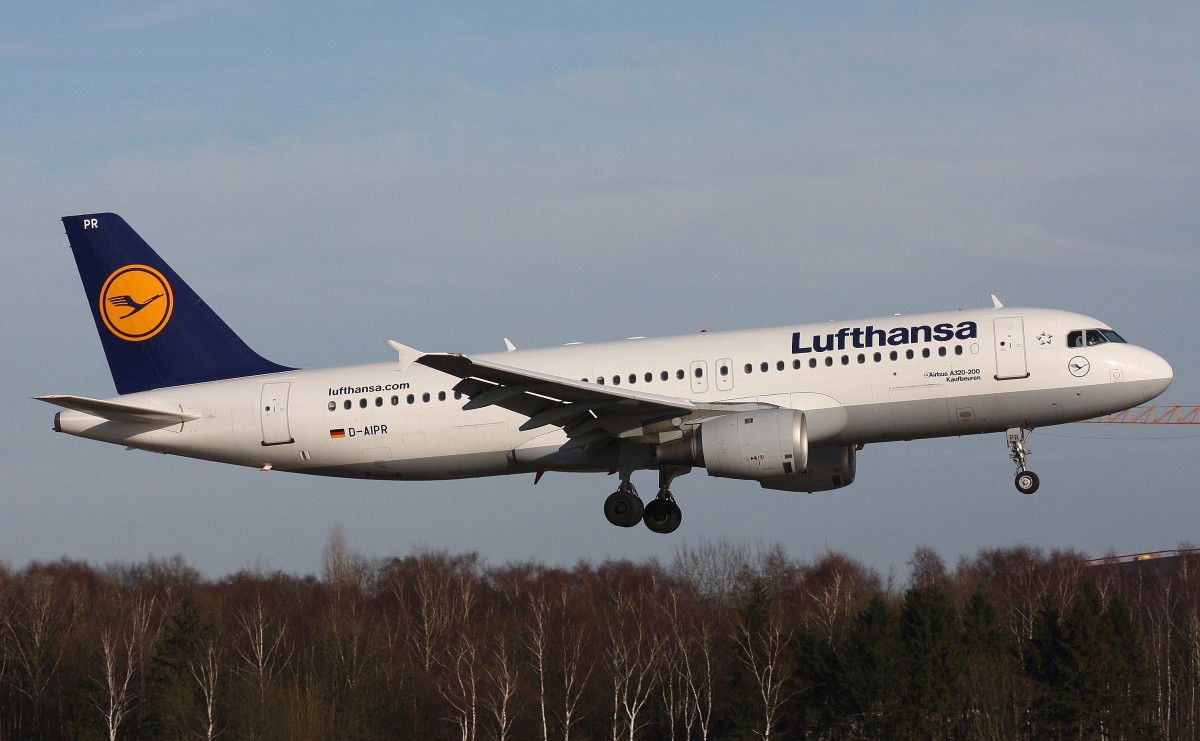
(1010, 348)
(274, 408)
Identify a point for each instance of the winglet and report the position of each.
(508, 344)
(996, 302)
(408, 355)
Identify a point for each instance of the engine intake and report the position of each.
(753, 445)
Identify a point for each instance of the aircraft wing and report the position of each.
(116, 411)
(587, 412)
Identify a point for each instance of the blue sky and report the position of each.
(450, 175)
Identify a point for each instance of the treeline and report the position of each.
(725, 642)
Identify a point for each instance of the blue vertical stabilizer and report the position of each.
(155, 330)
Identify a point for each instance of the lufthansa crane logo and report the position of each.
(1079, 366)
(136, 302)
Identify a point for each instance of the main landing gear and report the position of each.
(624, 507)
(1027, 481)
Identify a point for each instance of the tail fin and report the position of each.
(155, 330)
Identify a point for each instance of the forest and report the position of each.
(727, 641)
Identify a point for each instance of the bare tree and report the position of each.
(208, 669)
(263, 651)
(764, 652)
(537, 643)
(36, 623)
(696, 643)
(632, 653)
(503, 675)
(576, 669)
(461, 686)
(122, 649)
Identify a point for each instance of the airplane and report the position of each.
(789, 407)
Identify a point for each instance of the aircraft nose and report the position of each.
(1156, 374)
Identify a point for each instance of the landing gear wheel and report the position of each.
(1027, 482)
(662, 516)
(623, 508)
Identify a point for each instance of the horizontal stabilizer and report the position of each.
(116, 411)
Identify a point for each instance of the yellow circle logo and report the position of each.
(136, 302)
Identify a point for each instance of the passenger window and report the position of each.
(925, 352)
(346, 404)
(425, 397)
(908, 354)
(679, 374)
(699, 372)
(616, 380)
(395, 400)
(411, 399)
(942, 351)
(764, 367)
(724, 370)
(812, 362)
(441, 396)
(632, 378)
(749, 368)
(829, 362)
(362, 403)
(332, 405)
(779, 365)
(892, 355)
(862, 358)
(649, 376)
(664, 375)
(378, 401)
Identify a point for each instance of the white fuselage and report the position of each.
(865, 381)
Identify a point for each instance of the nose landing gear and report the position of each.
(1026, 481)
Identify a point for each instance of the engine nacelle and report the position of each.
(828, 468)
(753, 445)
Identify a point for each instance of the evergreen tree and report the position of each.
(990, 683)
(871, 665)
(742, 706)
(1091, 671)
(1128, 689)
(173, 709)
(933, 662)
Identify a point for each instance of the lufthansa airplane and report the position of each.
(788, 407)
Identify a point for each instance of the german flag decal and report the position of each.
(336, 434)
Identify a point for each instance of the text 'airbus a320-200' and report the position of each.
(788, 407)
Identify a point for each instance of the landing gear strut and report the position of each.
(624, 507)
(1027, 481)
(663, 514)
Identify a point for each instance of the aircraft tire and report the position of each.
(1027, 482)
(623, 508)
(662, 516)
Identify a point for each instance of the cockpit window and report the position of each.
(1089, 337)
